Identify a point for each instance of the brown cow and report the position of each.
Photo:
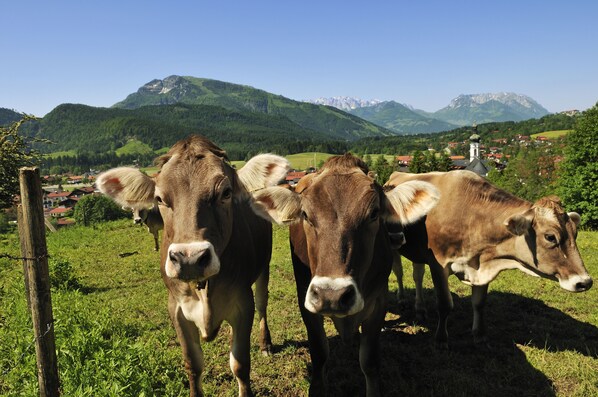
(478, 230)
(151, 218)
(341, 253)
(214, 247)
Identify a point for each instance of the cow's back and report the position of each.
(470, 213)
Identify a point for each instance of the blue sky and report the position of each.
(423, 53)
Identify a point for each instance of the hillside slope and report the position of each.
(400, 119)
(97, 130)
(327, 121)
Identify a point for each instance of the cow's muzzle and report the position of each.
(577, 283)
(333, 296)
(195, 261)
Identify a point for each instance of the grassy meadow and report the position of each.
(551, 134)
(114, 337)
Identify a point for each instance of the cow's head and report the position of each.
(139, 215)
(196, 190)
(341, 210)
(546, 241)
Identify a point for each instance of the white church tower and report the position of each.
(474, 145)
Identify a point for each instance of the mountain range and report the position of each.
(244, 119)
(461, 111)
(328, 121)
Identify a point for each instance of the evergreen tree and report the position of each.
(418, 163)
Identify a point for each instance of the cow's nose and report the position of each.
(191, 261)
(200, 258)
(397, 240)
(584, 285)
(333, 301)
(137, 220)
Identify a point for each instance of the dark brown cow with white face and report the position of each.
(214, 246)
(342, 253)
(477, 230)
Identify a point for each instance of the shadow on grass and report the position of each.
(411, 366)
(511, 319)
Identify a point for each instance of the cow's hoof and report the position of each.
(420, 315)
(481, 343)
(442, 346)
(267, 352)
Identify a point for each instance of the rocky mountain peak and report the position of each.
(345, 103)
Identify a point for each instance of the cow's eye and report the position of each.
(306, 218)
(551, 238)
(375, 214)
(227, 193)
(161, 201)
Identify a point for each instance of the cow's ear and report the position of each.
(262, 171)
(519, 224)
(277, 204)
(574, 216)
(409, 201)
(129, 187)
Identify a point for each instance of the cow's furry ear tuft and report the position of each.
(410, 201)
(277, 204)
(129, 187)
(262, 171)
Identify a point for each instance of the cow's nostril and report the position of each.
(204, 259)
(347, 299)
(175, 256)
(584, 285)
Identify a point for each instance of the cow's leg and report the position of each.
(241, 323)
(188, 336)
(479, 293)
(369, 349)
(156, 243)
(316, 335)
(444, 301)
(261, 304)
(318, 350)
(397, 269)
(419, 269)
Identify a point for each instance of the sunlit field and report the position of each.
(114, 337)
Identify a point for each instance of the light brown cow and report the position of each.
(214, 247)
(341, 254)
(152, 219)
(477, 230)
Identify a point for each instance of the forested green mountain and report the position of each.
(8, 116)
(328, 122)
(400, 119)
(98, 130)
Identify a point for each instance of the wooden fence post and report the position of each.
(32, 234)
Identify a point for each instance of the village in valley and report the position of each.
(63, 192)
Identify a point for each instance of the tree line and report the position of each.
(570, 168)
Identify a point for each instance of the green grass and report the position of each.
(64, 153)
(134, 146)
(551, 134)
(301, 161)
(114, 337)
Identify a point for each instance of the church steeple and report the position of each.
(474, 144)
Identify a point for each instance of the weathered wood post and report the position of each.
(32, 234)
